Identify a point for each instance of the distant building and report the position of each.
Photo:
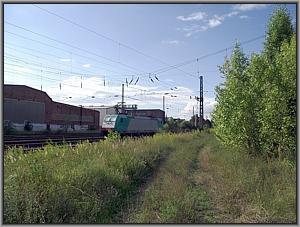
(102, 111)
(26, 104)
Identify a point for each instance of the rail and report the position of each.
(30, 142)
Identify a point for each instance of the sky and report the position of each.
(81, 54)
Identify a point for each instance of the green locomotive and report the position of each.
(131, 125)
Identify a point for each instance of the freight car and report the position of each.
(131, 125)
(28, 109)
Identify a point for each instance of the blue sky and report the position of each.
(128, 42)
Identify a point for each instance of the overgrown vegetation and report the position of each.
(181, 125)
(168, 178)
(173, 196)
(113, 136)
(246, 189)
(257, 102)
(83, 184)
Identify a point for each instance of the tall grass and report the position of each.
(247, 189)
(83, 184)
(195, 180)
(173, 196)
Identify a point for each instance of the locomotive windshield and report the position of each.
(110, 118)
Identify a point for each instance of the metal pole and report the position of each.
(41, 79)
(199, 100)
(122, 107)
(201, 103)
(193, 111)
(195, 119)
(164, 109)
(80, 115)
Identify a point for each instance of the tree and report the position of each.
(231, 111)
(279, 64)
(280, 29)
(257, 103)
(278, 103)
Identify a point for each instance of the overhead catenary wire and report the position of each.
(57, 73)
(76, 73)
(187, 62)
(162, 70)
(181, 64)
(72, 46)
(30, 74)
(13, 71)
(37, 41)
(55, 56)
(108, 38)
(61, 49)
(67, 72)
(89, 52)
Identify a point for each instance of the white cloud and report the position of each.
(199, 29)
(86, 65)
(169, 80)
(189, 28)
(65, 59)
(214, 22)
(171, 42)
(248, 7)
(208, 23)
(233, 13)
(22, 69)
(94, 93)
(208, 107)
(244, 17)
(193, 17)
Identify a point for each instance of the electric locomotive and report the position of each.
(131, 125)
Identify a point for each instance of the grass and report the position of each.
(83, 184)
(247, 189)
(173, 196)
(168, 178)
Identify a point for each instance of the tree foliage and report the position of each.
(257, 103)
(181, 125)
(177, 125)
(280, 29)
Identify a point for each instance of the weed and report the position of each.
(247, 189)
(172, 197)
(87, 183)
(113, 136)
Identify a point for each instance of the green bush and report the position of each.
(113, 136)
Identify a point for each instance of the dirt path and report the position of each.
(134, 200)
(172, 194)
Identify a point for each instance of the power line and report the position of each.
(61, 49)
(18, 59)
(159, 71)
(108, 38)
(72, 46)
(30, 74)
(48, 54)
(59, 73)
(163, 70)
(13, 58)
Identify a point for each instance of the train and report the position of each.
(127, 125)
(31, 111)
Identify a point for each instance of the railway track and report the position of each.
(49, 136)
(32, 142)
